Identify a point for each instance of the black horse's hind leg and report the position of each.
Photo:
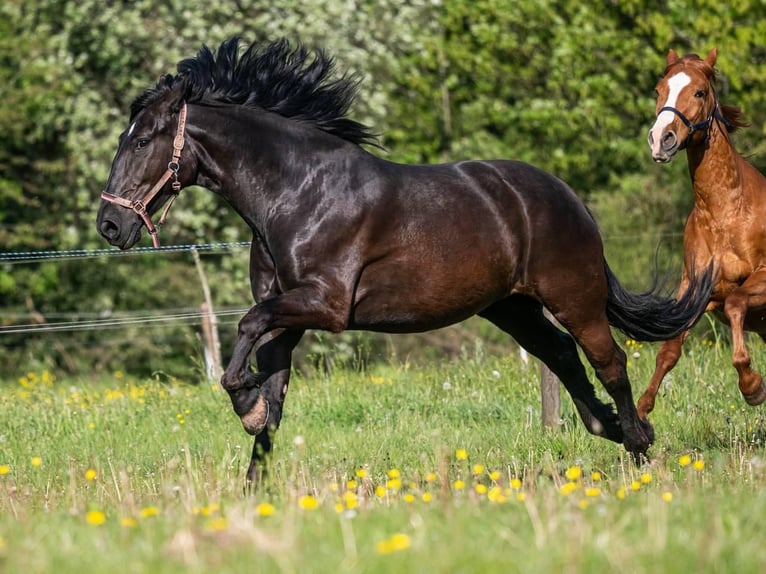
(592, 332)
(274, 360)
(522, 317)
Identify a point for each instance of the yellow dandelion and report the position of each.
(480, 489)
(573, 473)
(684, 460)
(427, 497)
(361, 473)
(401, 541)
(593, 491)
(635, 485)
(521, 496)
(149, 511)
(698, 465)
(495, 494)
(667, 496)
(409, 498)
(478, 469)
(339, 508)
(36, 461)
(308, 502)
(265, 509)
(431, 477)
(515, 483)
(5, 469)
(95, 517)
(128, 522)
(393, 484)
(458, 484)
(90, 474)
(583, 504)
(595, 476)
(494, 475)
(461, 454)
(91, 426)
(351, 484)
(393, 473)
(380, 491)
(621, 493)
(568, 488)
(646, 478)
(217, 524)
(396, 543)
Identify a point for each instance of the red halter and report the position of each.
(139, 205)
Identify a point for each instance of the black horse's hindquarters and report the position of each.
(343, 239)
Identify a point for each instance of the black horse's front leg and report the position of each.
(273, 328)
(274, 360)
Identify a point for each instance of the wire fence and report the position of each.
(38, 256)
(27, 323)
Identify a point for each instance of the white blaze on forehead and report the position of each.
(675, 85)
(664, 119)
(132, 127)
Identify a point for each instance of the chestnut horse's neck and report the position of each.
(716, 170)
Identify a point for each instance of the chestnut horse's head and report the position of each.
(686, 102)
(149, 168)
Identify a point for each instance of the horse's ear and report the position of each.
(671, 58)
(711, 57)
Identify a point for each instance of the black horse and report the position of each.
(345, 240)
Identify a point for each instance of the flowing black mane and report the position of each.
(293, 82)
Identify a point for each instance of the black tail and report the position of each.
(649, 316)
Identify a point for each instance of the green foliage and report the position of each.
(564, 85)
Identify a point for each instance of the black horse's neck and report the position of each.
(261, 163)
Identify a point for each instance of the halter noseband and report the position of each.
(139, 205)
(700, 126)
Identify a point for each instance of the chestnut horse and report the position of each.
(345, 240)
(726, 224)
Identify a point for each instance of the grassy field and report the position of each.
(396, 469)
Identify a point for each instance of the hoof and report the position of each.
(255, 419)
(756, 398)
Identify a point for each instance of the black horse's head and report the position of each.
(150, 166)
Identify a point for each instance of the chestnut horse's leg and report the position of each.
(667, 357)
(751, 293)
(522, 317)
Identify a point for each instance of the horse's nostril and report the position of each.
(109, 229)
(668, 140)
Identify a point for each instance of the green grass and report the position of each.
(147, 476)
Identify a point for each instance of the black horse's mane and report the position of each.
(293, 82)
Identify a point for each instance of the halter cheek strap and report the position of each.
(703, 125)
(139, 205)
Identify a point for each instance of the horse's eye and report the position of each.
(699, 94)
(142, 143)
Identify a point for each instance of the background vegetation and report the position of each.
(565, 85)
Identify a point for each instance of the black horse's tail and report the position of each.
(649, 316)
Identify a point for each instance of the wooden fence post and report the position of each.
(209, 326)
(550, 393)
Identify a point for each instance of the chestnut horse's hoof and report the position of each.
(756, 398)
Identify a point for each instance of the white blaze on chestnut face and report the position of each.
(675, 85)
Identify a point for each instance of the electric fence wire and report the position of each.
(57, 255)
(124, 320)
